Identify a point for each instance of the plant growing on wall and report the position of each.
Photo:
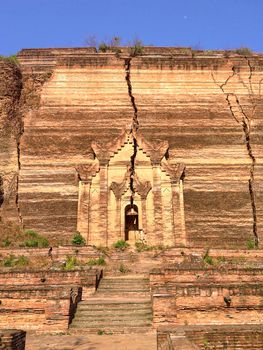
(121, 244)
(78, 239)
(35, 240)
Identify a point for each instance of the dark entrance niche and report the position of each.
(131, 220)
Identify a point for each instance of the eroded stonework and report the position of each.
(195, 119)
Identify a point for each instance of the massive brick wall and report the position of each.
(207, 105)
(184, 101)
(10, 129)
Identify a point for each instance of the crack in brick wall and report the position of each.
(134, 126)
(236, 108)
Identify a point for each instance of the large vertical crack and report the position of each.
(17, 182)
(244, 121)
(134, 127)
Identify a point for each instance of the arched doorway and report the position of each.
(131, 220)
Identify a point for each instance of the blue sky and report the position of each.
(206, 24)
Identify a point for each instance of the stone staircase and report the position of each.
(120, 305)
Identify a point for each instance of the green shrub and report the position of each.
(121, 244)
(207, 258)
(35, 240)
(70, 263)
(6, 242)
(244, 51)
(31, 233)
(22, 261)
(31, 243)
(142, 247)
(12, 261)
(103, 47)
(137, 48)
(93, 262)
(78, 239)
(9, 261)
(250, 244)
(12, 58)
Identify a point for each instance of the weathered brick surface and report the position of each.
(44, 301)
(198, 296)
(36, 308)
(12, 339)
(182, 97)
(210, 337)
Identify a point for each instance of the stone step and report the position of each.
(110, 330)
(122, 311)
(119, 294)
(109, 323)
(124, 284)
(120, 305)
(122, 288)
(113, 306)
(113, 317)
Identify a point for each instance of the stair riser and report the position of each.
(126, 286)
(127, 290)
(113, 312)
(110, 317)
(112, 330)
(125, 281)
(120, 295)
(108, 324)
(110, 308)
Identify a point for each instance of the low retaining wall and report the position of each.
(210, 337)
(44, 301)
(38, 308)
(88, 279)
(207, 297)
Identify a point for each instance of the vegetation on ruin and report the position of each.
(100, 262)
(143, 247)
(135, 47)
(14, 261)
(250, 244)
(207, 259)
(35, 240)
(78, 239)
(14, 236)
(11, 58)
(123, 268)
(244, 51)
(121, 244)
(70, 263)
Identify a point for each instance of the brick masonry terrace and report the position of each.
(210, 337)
(43, 301)
(188, 295)
(160, 149)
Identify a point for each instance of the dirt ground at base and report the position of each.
(92, 342)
